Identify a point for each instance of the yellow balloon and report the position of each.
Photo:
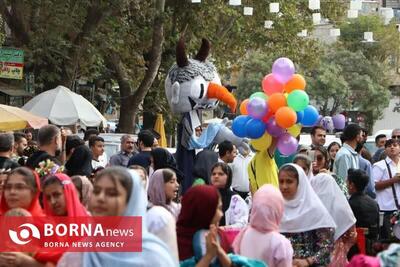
(295, 130)
(286, 95)
(262, 143)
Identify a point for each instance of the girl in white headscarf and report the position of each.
(335, 202)
(338, 207)
(129, 200)
(306, 222)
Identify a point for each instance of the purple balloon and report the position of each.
(273, 128)
(339, 121)
(318, 122)
(283, 69)
(287, 144)
(257, 108)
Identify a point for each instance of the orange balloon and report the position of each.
(276, 101)
(296, 83)
(285, 117)
(243, 107)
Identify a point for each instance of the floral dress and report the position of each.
(342, 185)
(317, 244)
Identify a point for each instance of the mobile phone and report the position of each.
(311, 154)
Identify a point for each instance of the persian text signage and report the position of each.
(11, 63)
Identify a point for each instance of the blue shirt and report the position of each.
(345, 159)
(366, 166)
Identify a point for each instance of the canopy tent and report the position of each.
(64, 107)
(13, 118)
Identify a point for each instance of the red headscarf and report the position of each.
(199, 204)
(34, 209)
(73, 205)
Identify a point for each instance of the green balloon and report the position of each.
(298, 100)
(259, 95)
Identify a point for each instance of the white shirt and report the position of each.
(240, 179)
(103, 159)
(380, 173)
(96, 164)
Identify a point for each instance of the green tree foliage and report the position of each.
(56, 36)
(348, 80)
(387, 45)
(133, 42)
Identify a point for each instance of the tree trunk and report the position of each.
(130, 105)
(126, 122)
(15, 22)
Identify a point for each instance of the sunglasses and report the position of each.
(319, 158)
(395, 136)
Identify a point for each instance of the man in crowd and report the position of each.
(379, 154)
(20, 144)
(50, 145)
(347, 157)
(145, 143)
(380, 141)
(318, 136)
(227, 152)
(365, 209)
(6, 150)
(96, 145)
(89, 133)
(387, 186)
(127, 151)
(94, 132)
(240, 178)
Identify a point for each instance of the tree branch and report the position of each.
(95, 15)
(114, 63)
(155, 55)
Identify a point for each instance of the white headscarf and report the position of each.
(334, 201)
(154, 251)
(305, 212)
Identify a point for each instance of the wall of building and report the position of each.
(391, 118)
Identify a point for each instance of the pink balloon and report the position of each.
(287, 144)
(271, 85)
(283, 69)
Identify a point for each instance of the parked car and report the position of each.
(370, 143)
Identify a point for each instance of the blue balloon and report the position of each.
(300, 115)
(239, 125)
(255, 128)
(310, 116)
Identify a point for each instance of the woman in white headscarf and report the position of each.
(129, 188)
(335, 202)
(306, 222)
(338, 207)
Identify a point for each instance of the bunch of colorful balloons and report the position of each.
(279, 111)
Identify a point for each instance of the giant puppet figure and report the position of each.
(193, 85)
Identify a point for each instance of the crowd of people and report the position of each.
(307, 209)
